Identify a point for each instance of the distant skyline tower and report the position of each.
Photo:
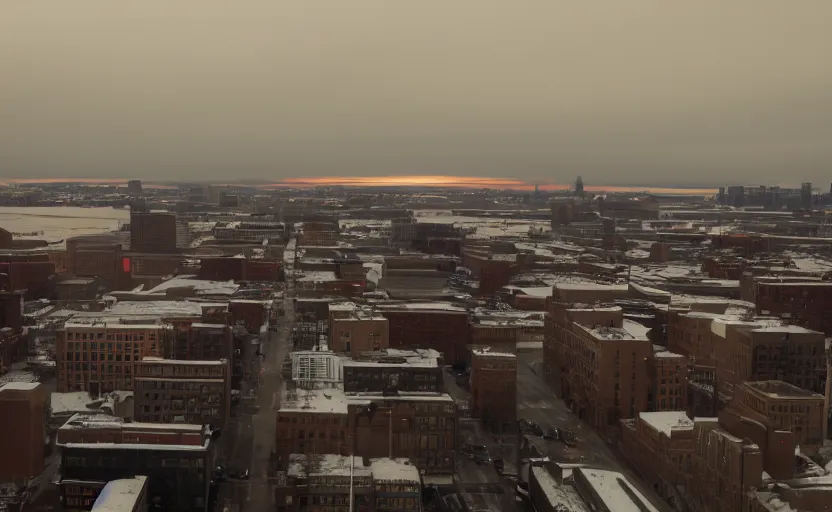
(579, 186)
(134, 187)
(806, 196)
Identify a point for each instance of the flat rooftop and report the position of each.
(666, 421)
(120, 495)
(487, 352)
(424, 358)
(324, 401)
(777, 389)
(615, 491)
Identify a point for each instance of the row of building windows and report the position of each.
(179, 386)
(182, 370)
(109, 336)
(95, 356)
(94, 367)
(93, 461)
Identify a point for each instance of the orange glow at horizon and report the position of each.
(391, 181)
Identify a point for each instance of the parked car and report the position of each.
(553, 434)
(477, 452)
(499, 466)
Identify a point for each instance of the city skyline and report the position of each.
(620, 93)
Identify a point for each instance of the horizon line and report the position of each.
(426, 181)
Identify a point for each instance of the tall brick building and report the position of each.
(171, 391)
(493, 386)
(754, 352)
(418, 426)
(153, 232)
(441, 327)
(22, 432)
(807, 304)
(96, 356)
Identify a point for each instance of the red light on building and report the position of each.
(125, 264)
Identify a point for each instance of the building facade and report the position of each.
(176, 391)
(807, 304)
(98, 357)
(153, 232)
(493, 382)
(22, 433)
(176, 458)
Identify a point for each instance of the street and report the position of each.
(537, 403)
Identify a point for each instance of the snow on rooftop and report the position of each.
(83, 421)
(163, 308)
(487, 352)
(199, 286)
(154, 359)
(636, 330)
(615, 491)
(19, 386)
(120, 495)
(394, 470)
(565, 497)
(666, 421)
(331, 401)
(202, 325)
(73, 402)
(588, 285)
(301, 465)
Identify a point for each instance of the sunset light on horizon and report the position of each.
(438, 181)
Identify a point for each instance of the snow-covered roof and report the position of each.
(610, 487)
(120, 495)
(487, 352)
(394, 470)
(19, 386)
(332, 401)
(163, 308)
(565, 497)
(200, 286)
(666, 421)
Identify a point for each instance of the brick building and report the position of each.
(556, 321)
(418, 426)
(33, 278)
(770, 352)
(603, 371)
(493, 386)
(312, 421)
(6, 239)
(669, 377)
(504, 330)
(11, 310)
(96, 356)
(438, 326)
(724, 469)
(807, 304)
(660, 445)
(22, 432)
(176, 391)
(394, 371)
(324, 481)
(13, 348)
(201, 341)
(780, 406)
(359, 331)
(153, 232)
(97, 258)
(251, 313)
(176, 458)
(689, 333)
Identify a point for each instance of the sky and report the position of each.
(635, 92)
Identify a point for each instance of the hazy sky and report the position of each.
(618, 91)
